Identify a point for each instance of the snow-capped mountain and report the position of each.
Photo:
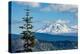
(56, 28)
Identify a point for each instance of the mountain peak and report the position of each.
(56, 28)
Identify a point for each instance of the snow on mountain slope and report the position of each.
(57, 28)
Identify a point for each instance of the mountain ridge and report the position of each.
(50, 37)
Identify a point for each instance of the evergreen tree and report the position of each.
(27, 34)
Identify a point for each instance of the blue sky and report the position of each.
(42, 13)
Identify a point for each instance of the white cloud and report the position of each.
(62, 21)
(32, 4)
(61, 8)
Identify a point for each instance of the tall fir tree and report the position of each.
(27, 33)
